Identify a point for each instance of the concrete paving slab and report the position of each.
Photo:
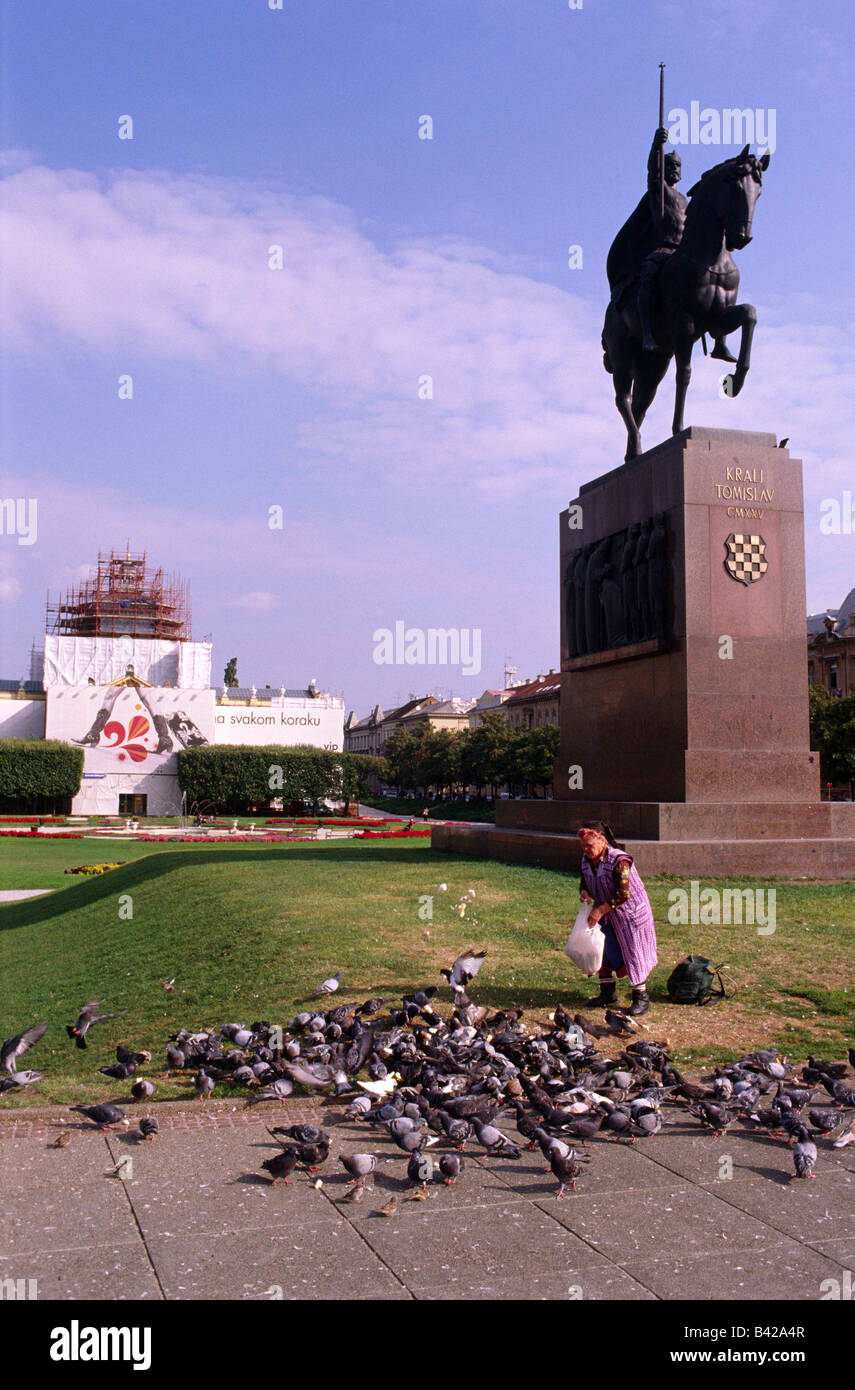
(206, 1154)
(66, 1217)
(594, 1283)
(424, 1247)
(221, 1205)
(311, 1260)
(788, 1271)
(114, 1271)
(843, 1251)
(697, 1155)
(613, 1167)
(809, 1209)
(681, 1221)
(28, 1163)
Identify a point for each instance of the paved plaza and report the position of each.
(196, 1217)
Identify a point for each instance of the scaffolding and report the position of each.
(123, 598)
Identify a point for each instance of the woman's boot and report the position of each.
(607, 995)
(640, 1002)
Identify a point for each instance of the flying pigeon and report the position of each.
(20, 1078)
(88, 1015)
(14, 1048)
(465, 968)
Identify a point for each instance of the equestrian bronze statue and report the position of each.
(672, 280)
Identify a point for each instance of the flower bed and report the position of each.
(391, 834)
(27, 820)
(94, 868)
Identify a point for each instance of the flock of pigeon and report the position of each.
(422, 1080)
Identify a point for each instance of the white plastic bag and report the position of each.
(586, 944)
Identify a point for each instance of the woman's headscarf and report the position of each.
(602, 829)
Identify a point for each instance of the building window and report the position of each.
(832, 676)
(132, 805)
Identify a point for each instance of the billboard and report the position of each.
(317, 722)
(125, 729)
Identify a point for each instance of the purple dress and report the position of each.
(632, 922)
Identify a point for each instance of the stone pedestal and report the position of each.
(684, 710)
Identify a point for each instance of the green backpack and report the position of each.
(692, 982)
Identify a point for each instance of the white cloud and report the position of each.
(259, 601)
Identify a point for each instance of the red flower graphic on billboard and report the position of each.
(115, 734)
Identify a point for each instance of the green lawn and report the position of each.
(249, 930)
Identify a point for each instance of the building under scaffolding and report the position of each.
(123, 599)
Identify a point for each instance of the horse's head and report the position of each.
(731, 189)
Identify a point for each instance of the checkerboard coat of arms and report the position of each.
(746, 557)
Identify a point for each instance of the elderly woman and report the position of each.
(611, 882)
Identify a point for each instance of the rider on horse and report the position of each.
(648, 238)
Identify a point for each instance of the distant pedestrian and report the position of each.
(425, 813)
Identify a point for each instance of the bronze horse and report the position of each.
(695, 294)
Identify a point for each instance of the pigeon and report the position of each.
(88, 1015)
(465, 968)
(204, 1084)
(420, 1169)
(143, 1090)
(494, 1141)
(844, 1094)
(359, 1108)
(304, 1134)
(451, 1166)
(804, 1158)
(329, 986)
(848, 1135)
(824, 1120)
(20, 1078)
(358, 1165)
(119, 1071)
(15, 1047)
(104, 1115)
(149, 1127)
(282, 1165)
(124, 1055)
(566, 1169)
(280, 1090)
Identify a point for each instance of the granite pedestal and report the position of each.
(684, 694)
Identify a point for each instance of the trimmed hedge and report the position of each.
(238, 777)
(38, 771)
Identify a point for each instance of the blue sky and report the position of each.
(402, 257)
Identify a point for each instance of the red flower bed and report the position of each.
(391, 834)
(34, 831)
(220, 840)
(26, 820)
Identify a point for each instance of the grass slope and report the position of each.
(249, 931)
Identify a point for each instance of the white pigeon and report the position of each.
(329, 986)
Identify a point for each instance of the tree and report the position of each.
(230, 675)
(832, 733)
(486, 755)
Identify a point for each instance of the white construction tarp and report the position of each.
(77, 660)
